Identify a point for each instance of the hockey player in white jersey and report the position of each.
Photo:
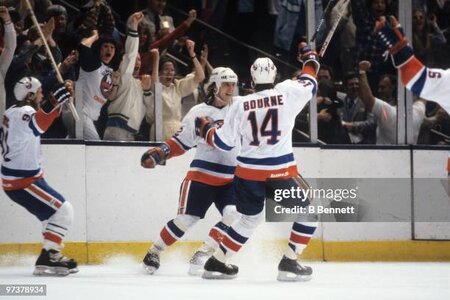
(22, 176)
(208, 181)
(261, 123)
(427, 83)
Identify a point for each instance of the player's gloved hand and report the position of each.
(392, 36)
(60, 94)
(203, 125)
(155, 156)
(307, 55)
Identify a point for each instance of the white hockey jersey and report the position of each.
(262, 124)
(210, 165)
(93, 88)
(429, 84)
(21, 145)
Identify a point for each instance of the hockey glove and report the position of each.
(155, 156)
(203, 125)
(60, 94)
(392, 36)
(307, 55)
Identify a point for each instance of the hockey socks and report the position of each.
(301, 234)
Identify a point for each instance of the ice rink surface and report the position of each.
(124, 278)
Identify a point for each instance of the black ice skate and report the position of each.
(197, 262)
(151, 262)
(291, 270)
(52, 263)
(215, 269)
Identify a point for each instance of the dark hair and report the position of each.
(327, 68)
(166, 59)
(326, 88)
(55, 10)
(350, 75)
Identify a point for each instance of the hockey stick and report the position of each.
(332, 31)
(52, 59)
(322, 20)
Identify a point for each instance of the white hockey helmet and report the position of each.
(24, 86)
(263, 71)
(222, 74)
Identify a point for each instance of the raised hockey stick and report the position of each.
(322, 19)
(332, 30)
(52, 59)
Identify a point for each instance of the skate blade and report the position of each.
(150, 269)
(195, 270)
(51, 271)
(288, 276)
(217, 275)
(74, 270)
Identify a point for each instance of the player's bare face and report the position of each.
(226, 91)
(167, 73)
(107, 52)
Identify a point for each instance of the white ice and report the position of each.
(124, 278)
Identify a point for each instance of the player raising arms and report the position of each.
(261, 123)
(427, 83)
(22, 176)
(209, 179)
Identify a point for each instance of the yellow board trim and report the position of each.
(99, 252)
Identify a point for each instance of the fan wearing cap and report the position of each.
(22, 175)
(209, 179)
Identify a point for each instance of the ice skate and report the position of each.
(197, 262)
(52, 263)
(151, 262)
(215, 269)
(291, 270)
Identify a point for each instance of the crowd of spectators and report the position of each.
(114, 66)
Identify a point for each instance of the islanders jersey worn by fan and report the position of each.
(20, 136)
(210, 165)
(262, 124)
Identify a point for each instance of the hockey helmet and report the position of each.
(222, 74)
(25, 86)
(263, 71)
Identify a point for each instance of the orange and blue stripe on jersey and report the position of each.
(41, 121)
(260, 169)
(19, 179)
(176, 147)
(210, 173)
(213, 139)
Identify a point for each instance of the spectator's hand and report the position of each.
(348, 126)
(391, 35)
(146, 82)
(324, 115)
(135, 19)
(97, 2)
(364, 65)
(48, 28)
(154, 53)
(306, 55)
(4, 14)
(190, 46)
(69, 61)
(192, 15)
(115, 77)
